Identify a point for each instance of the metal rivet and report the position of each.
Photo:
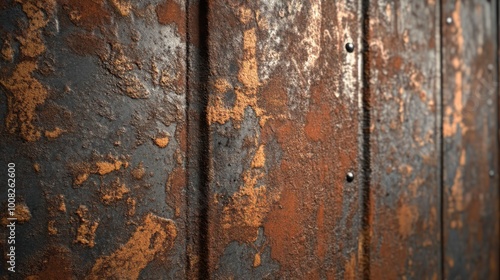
(350, 176)
(349, 47)
(492, 173)
(449, 20)
(490, 67)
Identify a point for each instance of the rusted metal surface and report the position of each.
(405, 140)
(93, 115)
(470, 131)
(230, 139)
(284, 120)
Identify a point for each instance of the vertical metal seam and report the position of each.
(497, 79)
(187, 88)
(198, 102)
(366, 152)
(441, 139)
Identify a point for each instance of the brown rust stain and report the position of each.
(57, 264)
(407, 218)
(86, 231)
(55, 133)
(321, 245)
(138, 172)
(170, 11)
(87, 14)
(154, 235)
(176, 183)
(7, 51)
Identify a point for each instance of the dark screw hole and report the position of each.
(350, 176)
(349, 47)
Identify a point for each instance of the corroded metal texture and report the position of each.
(405, 86)
(470, 130)
(284, 120)
(233, 139)
(93, 115)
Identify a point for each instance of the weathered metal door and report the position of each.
(230, 139)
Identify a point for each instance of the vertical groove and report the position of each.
(198, 155)
(366, 122)
(441, 141)
(497, 79)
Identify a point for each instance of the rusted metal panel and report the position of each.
(470, 147)
(284, 124)
(405, 140)
(93, 116)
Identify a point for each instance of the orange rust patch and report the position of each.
(54, 133)
(21, 213)
(162, 142)
(114, 192)
(248, 207)
(156, 234)
(131, 203)
(38, 13)
(217, 112)
(82, 171)
(51, 227)
(62, 205)
(256, 260)
(259, 159)
(171, 12)
(86, 231)
(138, 172)
(25, 93)
(104, 167)
(122, 6)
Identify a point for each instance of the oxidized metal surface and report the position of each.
(470, 131)
(93, 115)
(405, 140)
(231, 139)
(284, 126)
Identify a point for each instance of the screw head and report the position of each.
(449, 20)
(490, 67)
(492, 173)
(350, 176)
(349, 47)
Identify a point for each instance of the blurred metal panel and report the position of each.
(470, 147)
